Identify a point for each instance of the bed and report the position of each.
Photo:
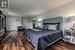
(42, 38)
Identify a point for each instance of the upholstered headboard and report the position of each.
(54, 21)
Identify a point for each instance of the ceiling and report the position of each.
(33, 7)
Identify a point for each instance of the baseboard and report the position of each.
(11, 30)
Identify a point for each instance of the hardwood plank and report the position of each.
(61, 45)
(14, 41)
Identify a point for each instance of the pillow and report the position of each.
(45, 27)
(52, 27)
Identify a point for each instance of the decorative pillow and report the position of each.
(52, 27)
(45, 27)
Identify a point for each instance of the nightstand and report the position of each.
(69, 36)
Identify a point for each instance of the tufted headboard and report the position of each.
(58, 21)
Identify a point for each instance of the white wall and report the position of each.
(68, 22)
(27, 22)
(19, 21)
(64, 11)
(12, 23)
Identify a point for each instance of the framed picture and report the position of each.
(3, 3)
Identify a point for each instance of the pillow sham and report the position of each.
(52, 27)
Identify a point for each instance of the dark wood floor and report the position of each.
(15, 41)
(61, 45)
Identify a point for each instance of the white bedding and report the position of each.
(36, 29)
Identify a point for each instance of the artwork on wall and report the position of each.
(4, 4)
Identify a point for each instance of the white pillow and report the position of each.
(52, 27)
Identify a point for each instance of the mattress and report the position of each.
(41, 39)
